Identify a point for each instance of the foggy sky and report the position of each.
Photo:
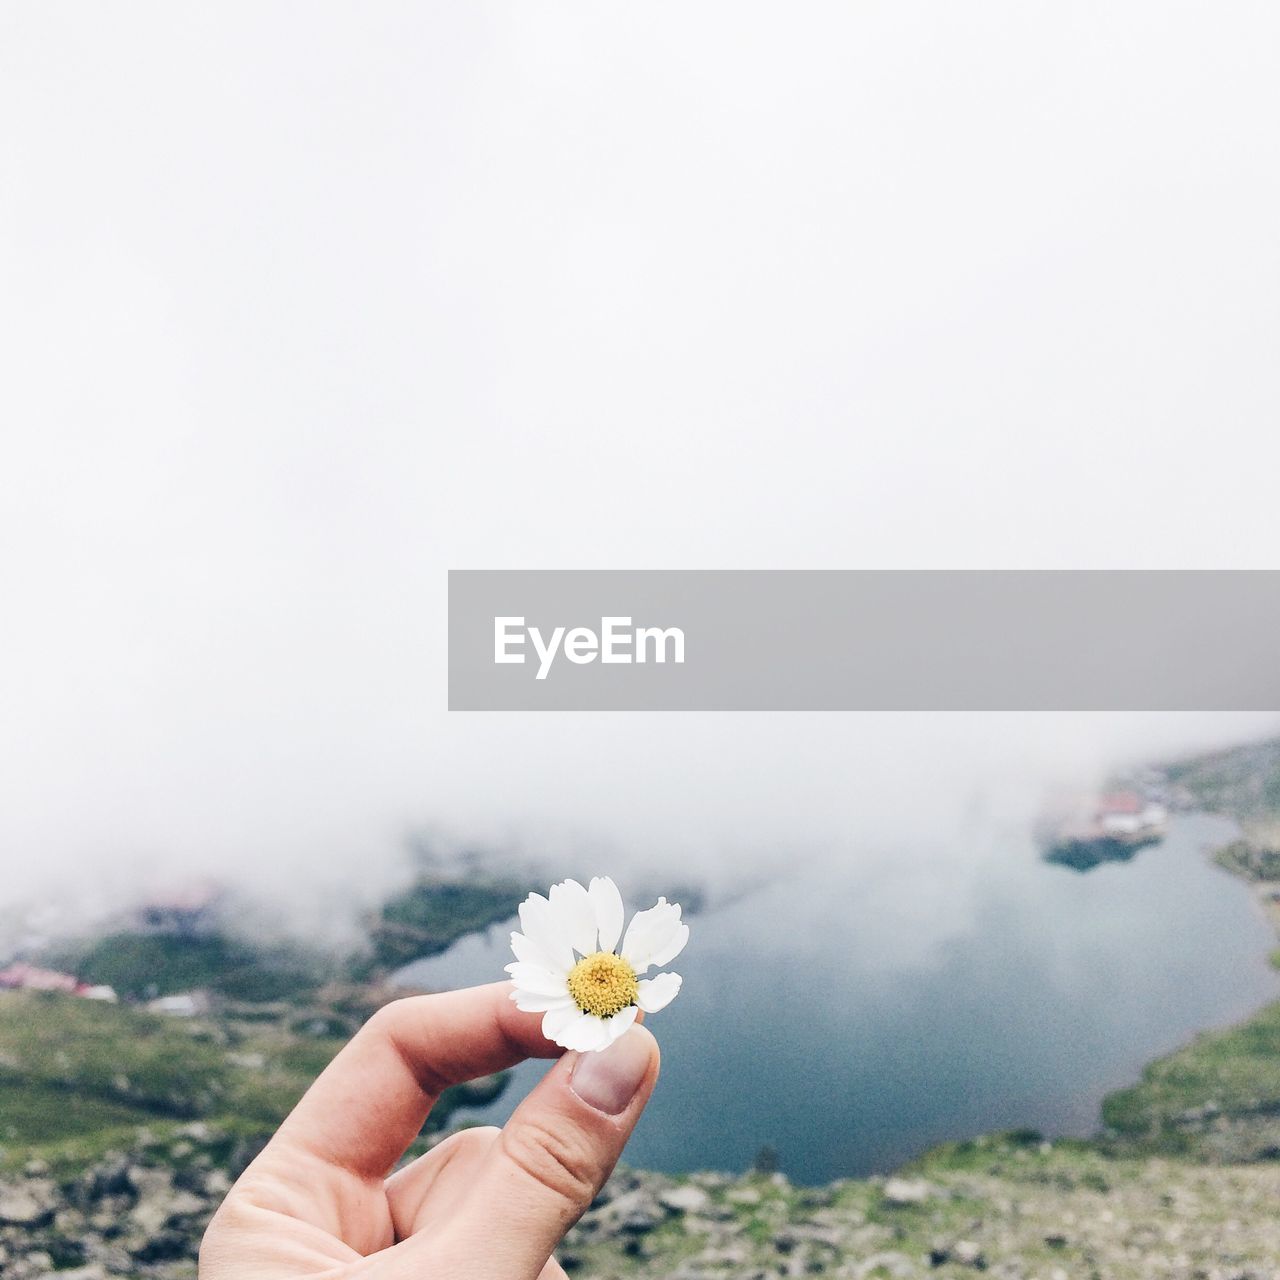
(303, 305)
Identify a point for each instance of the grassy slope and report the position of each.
(72, 1066)
(1233, 1075)
(431, 915)
(77, 1076)
(142, 965)
(1244, 783)
(1230, 1077)
(422, 920)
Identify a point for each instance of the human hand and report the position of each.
(485, 1203)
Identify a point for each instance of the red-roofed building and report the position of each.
(1121, 802)
(1128, 816)
(30, 977)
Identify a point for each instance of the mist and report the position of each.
(304, 308)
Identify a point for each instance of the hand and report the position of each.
(486, 1204)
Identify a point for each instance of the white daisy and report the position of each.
(569, 967)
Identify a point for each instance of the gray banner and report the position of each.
(809, 640)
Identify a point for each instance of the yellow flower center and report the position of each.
(603, 984)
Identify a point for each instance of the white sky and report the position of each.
(303, 304)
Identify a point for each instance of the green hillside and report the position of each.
(77, 1076)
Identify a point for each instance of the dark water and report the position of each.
(852, 1019)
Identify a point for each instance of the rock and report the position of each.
(164, 1208)
(639, 1221)
(105, 1222)
(149, 1182)
(728, 1256)
(30, 1204)
(900, 1192)
(116, 1259)
(969, 1254)
(885, 1264)
(66, 1243)
(816, 1197)
(632, 1212)
(110, 1178)
(687, 1199)
(164, 1246)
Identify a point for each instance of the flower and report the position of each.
(570, 969)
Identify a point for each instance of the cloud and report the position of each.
(302, 311)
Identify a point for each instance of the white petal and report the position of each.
(558, 1020)
(659, 991)
(590, 1034)
(575, 915)
(531, 1002)
(529, 952)
(541, 982)
(540, 925)
(622, 1022)
(607, 902)
(576, 1030)
(537, 922)
(655, 936)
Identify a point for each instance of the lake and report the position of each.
(853, 1017)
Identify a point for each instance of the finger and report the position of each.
(549, 1163)
(426, 1192)
(371, 1101)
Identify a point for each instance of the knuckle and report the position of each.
(381, 1024)
(399, 1025)
(233, 1222)
(561, 1163)
(464, 1144)
(390, 1017)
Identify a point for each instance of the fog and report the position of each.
(303, 306)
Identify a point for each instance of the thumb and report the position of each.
(548, 1163)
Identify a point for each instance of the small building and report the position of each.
(30, 977)
(1126, 814)
(184, 1004)
(1108, 828)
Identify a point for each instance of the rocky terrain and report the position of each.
(134, 1212)
(1012, 1212)
(1013, 1207)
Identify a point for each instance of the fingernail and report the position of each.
(608, 1080)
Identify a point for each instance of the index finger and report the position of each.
(370, 1102)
